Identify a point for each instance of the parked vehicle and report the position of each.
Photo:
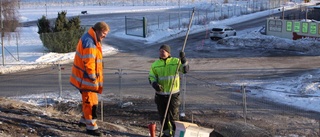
(222, 32)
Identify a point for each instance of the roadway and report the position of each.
(45, 80)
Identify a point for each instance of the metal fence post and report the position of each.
(120, 73)
(145, 27)
(101, 110)
(125, 24)
(182, 113)
(60, 81)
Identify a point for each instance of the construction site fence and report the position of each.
(55, 3)
(122, 82)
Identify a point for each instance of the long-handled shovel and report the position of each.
(177, 71)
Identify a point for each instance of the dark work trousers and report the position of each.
(173, 111)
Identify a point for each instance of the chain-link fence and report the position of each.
(42, 3)
(211, 12)
(202, 93)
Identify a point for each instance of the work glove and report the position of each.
(157, 87)
(182, 57)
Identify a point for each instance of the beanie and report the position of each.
(165, 47)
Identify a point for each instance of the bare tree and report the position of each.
(9, 15)
(8, 21)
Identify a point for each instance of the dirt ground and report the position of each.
(18, 119)
(221, 110)
(210, 103)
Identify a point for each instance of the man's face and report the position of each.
(164, 54)
(101, 35)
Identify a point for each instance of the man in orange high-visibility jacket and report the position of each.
(87, 74)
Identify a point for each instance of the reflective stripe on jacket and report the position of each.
(87, 69)
(163, 72)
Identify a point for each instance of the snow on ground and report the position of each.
(254, 40)
(286, 90)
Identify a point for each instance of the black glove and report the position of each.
(182, 57)
(182, 54)
(157, 87)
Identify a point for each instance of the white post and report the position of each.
(60, 81)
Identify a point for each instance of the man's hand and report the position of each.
(183, 60)
(157, 87)
(182, 57)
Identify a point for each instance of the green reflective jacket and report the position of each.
(163, 72)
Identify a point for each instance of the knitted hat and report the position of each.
(165, 47)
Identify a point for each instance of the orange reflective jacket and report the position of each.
(87, 69)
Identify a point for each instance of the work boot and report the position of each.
(165, 135)
(80, 124)
(94, 132)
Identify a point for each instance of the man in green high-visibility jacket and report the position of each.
(165, 80)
